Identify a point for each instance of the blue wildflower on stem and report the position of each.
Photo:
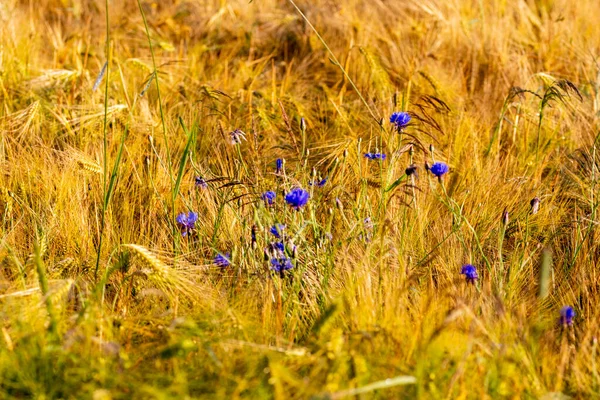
(274, 250)
(187, 222)
(566, 315)
(277, 230)
(400, 120)
(439, 169)
(375, 156)
(281, 264)
(297, 198)
(269, 197)
(279, 166)
(222, 261)
(470, 273)
(199, 182)
(320, 183)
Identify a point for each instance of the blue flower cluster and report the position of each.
(318, 183)
(375, 156)
(566, 315)
(200, 183)
(222, 260)
(277, 230)
(400, 120)
(470, 273)
(269, 197)
(439, 169)
(281, 264)
(281, 252)
(187, 222)
(297, 198)
(278, 257)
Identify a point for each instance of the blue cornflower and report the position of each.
(275, 250)
(297, 198)
(279, 246)
(222, 261)
(281, 264)
(279, 166)
(375, 156)
(186, 223)
(200, 182)
(470, 272)
(439, 169)
(320, 183)
(269, 197)
(277, 230)
(400, 120)
(566, 315)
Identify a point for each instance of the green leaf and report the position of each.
(396, 183)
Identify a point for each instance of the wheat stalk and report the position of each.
(164, 277)
(90, 166)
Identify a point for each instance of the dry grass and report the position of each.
(102, 297)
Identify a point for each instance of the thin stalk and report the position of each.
(461, 217)
(498, 130)
(526, 240)
(108, 193)
(155, 72)
(539, 129)
(184, 158)
(105, 143)
(479, 247)
(336, 62)
(239, 153)
(182, 164)
(162, 117)
(500, 245)
(43, 282)
(593, 204)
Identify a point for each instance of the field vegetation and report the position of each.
(301, 199)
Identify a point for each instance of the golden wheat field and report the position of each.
(299, 199)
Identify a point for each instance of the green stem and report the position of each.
(105, 144)
(500, 245)
(162, 115)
